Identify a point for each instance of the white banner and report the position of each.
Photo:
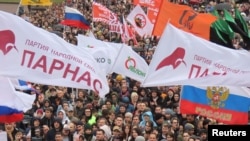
(130, 64)
(105, 53)
(140, 21)
(36, 55)
(184, 59)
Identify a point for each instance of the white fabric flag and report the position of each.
(140, 21)
(32, 54)
(130, 64)
(184, 59)
(105, 53)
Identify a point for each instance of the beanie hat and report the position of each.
(87, 126)
(189, 126)
(39, 111)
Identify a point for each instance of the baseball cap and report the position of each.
(116, 128)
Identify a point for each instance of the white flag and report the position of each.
(130, 64)
(184, 59)
(140, 21)
(13, 103)
(105, 53)
(32, 54)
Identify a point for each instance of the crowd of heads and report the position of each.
(128, 112)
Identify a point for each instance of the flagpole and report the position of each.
(18, 7)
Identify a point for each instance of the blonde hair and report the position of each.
(133, 94)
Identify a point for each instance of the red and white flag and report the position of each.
(140, 21)
(103, 14)
(148, 3)
(42, 57)
(152, 13)
(182, 58)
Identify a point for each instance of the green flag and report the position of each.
(236, 28)
(240, 21)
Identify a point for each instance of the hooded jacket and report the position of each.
(52, 132)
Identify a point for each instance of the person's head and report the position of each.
(185, 136)
(18, 135)
(48, 112)
(100, 135)
(203, 134)
(124, 88)
(66, 130)
(58, 136)
(149, 126)
(117, 131)
(135, 120)
(45, 129)
(65, 105)
(170, 136)
(146, 117)
(57, 123)
(79, 126)
(126, 129)
(152, 137)
(101, 122)
(158, 110)
(108, 103)
(60, 93)
(165, 128)
(61, 114)
(134, 97)
(9, 127)
(175, 123)
(136, 132)
(88, 129)
(206, 122)
(189, 128)
(128, 117)
(79, 102)
(81, 93)
(191, 138)
(119, 121)
(198, 139)
(87, 112)
(176, 97)
(72, 127)
(190, 118)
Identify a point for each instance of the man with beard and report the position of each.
(88, 133)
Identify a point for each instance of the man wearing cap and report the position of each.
(189, 128)
(116, 134)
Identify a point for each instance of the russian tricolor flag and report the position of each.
(228, 105)
(75, 18)
(13, 103)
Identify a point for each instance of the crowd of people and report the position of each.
(128, 113)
